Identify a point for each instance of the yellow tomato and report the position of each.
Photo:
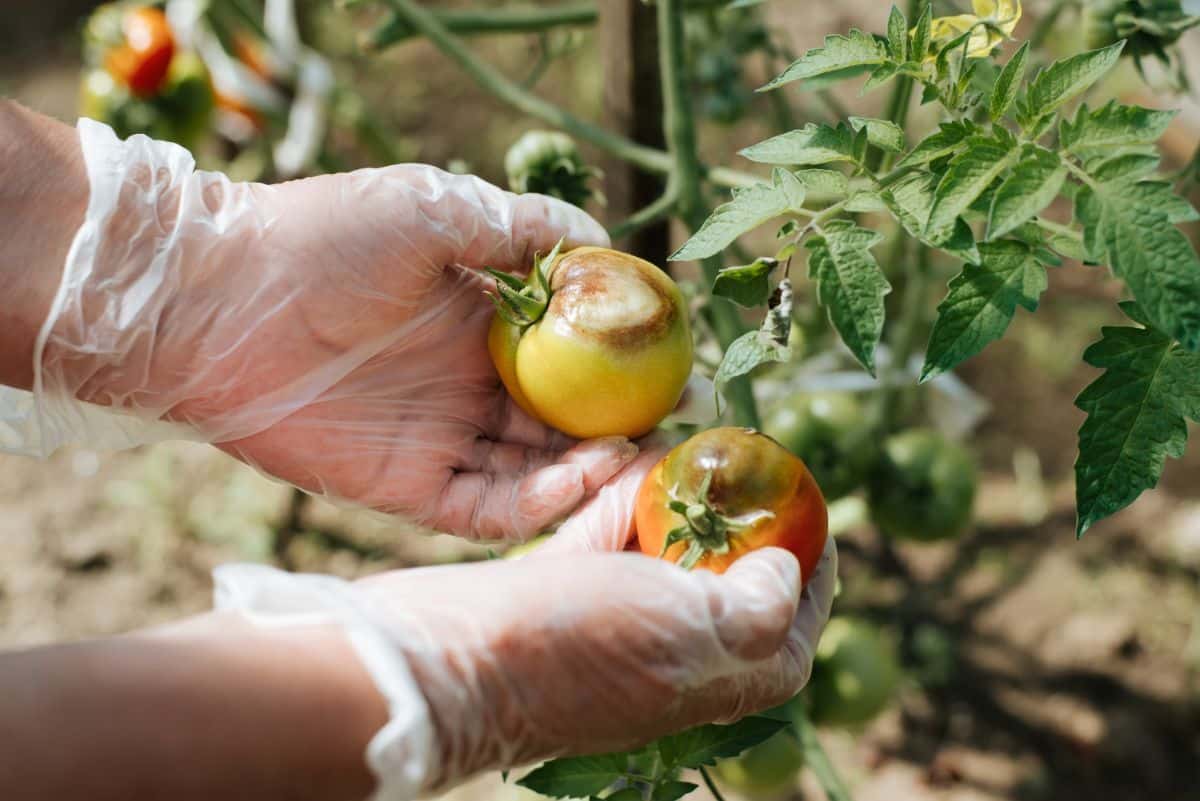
(611, 353)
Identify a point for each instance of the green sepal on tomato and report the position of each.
(594, 342)
(728, 491)
(923, 487)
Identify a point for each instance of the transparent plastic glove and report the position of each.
(566, 651)
(330, 331)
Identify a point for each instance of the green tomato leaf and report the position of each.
(1135, 417)
(1030, 187)
(1065, 79)
(625, 794)
(981, 303)
(920, 33)
(749, 208)
(811, 145)
(671, 790)
(828, 183)
(850, 285)
(576, 777)
(748, 285)
(898, 35)
(704, 745)
(1132, 225)
(768, 344)
(970, 174)
(865, 202)
(854, 50)
(949, 138)
(1113, 125)
(1009, 80)
(881, 133)
(1125, 167)
(911, 199)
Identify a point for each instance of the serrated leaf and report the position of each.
(1031, 186)
(949, 137)
(748, 285)
(749, 208)
(910, 200)
(1066, 78)
(1136, 417)
(1113, 125)
(865, 202)
(970, 173)
(1124, 167)
(576, 777)
(672, 790)
(704, 745)
(881, 133)
(898, 35)
(981, 303)
(855, 49)
(1009, 80)
(850, 285)
(811, 145)
(829, 183)
(1130, 225)
(879, 76)
(920, 33)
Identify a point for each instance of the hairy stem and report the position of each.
(684, 182)
(465, 22)
(815, 756)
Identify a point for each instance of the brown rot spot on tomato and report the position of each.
(611, 297)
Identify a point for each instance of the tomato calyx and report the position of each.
(707, 531)
(523, 301)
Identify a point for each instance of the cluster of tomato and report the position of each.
(139, 79)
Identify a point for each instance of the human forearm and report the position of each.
(43, 195)
(211, 708)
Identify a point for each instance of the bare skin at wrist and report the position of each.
(43, 197)
(213, 707)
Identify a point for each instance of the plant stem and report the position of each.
(710, 784)
(646, 158)
(1046, 24)
(647, 215)
(684, 182)
(815, 756)
(465, 22)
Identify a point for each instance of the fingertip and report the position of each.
(600, 459)
(541, 221)
(756, 602)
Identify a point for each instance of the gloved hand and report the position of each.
(568, 650)
(330, 331)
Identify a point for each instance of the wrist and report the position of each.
(43, 197)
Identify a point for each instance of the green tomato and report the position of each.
(102, 98)
(855, 673)
(924, 487)
(826, 430)
(548, 162)
(187, 100)
(768, 770)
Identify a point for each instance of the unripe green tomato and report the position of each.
(610, 355)
(548, 163)
(855, 673)
(766, 771)
(187, 100)
(923, 487)
(826, 430)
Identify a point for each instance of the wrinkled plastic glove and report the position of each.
(569, 650)
(330, 331)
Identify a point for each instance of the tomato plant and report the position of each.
(548, 162)
(727, 491)
(924, 487)
(766, 771)
(594, 342)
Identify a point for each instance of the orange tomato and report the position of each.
(142, 61)
(726, 492)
